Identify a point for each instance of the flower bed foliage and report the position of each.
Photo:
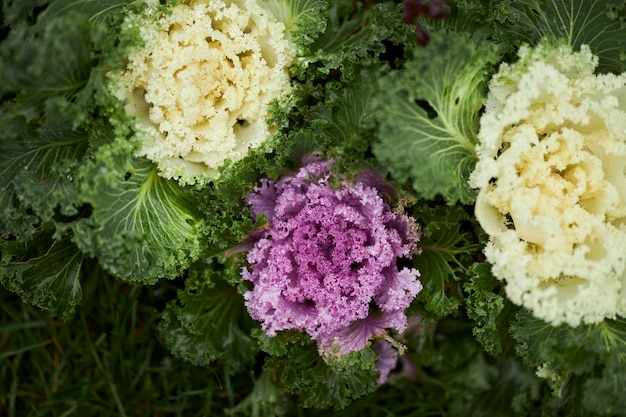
(311, 207)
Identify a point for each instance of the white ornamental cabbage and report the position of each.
(552, 188)
(201, 84)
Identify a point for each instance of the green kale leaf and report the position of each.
(35, 175)
(594, 23)
(331, 383)
(488, 306)
(584, 365)
(209, 322)
(354, 32)
(142, 227)
(50, 280)
(604, 394)
(447, 246)
(344, 118)
(429, 114)
(297, 368)
(44, 69)
(265, 400)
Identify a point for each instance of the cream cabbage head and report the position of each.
(201, 84)
(552, 187)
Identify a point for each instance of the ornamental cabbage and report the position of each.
(201, 84)
(327, 263)
(552, 187)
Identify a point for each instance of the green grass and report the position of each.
(105, 361)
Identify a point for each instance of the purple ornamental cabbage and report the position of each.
(327, 264)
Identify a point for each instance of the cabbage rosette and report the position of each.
(201, 84)
(327, 264)
(552, 189)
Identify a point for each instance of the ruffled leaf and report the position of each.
(209, 323)
(429, 114)
(447, 246)
(326, 384)
(34, 176)
(489, 308)
(142, 226)
(44, 69)
(353, 33)
(339, 382)
(579, 22)
(51, 281)
(345, 117)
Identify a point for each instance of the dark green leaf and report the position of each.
(343, 380)
(579, 22)
(265, 400)
(50, 281)
(469, 16)
(490, 309)
(562, 347)
(353, 33)
(345, 117)
(604, 394)
(332, 383)
(50, 61)
(209, 323)
(96, 10)
(445, 250)
(35, 178)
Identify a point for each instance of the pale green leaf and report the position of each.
(142, 227)
(429, 114)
